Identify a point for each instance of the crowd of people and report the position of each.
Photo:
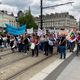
(45, 44)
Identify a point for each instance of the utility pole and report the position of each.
(41, 19)
(41, 10)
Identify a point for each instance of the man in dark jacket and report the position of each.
(26, 43)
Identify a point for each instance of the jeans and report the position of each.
(71, 46)
(62, 51)
(41, 46)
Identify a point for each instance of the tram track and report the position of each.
(4, 69)
(22, 71)
(20, 66)
(29, 67)
(7, 52)
(14, 61)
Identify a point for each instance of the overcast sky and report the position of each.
(16, 5)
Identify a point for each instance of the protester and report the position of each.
(42, 43)
(35, 41)
(51, 46)
(46, 48)
(26, 44)
(1, 43)
(8, 41)
(21, 44)
(13, 44)
(63, 47)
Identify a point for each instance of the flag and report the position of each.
(71, 36)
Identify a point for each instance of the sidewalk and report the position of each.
(52, 71)
(72, 71)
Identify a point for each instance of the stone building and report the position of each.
(57, 21)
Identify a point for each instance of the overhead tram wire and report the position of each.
(58, 5)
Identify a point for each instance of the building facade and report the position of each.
(7, 19)
(57, 21)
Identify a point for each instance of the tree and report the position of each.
(27, 19)
(21, 20)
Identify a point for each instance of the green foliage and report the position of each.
(27, 19)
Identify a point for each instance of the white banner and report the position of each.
(40, 32)
(30, 31)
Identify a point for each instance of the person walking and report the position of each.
(46, 48)
(1, 43)
(50, 46)
(37, 46)
(63, 47)
(13, 44)
(26, 43)
(35, 43)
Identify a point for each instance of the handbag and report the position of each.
(32, 46)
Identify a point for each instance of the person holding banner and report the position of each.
(71, 37)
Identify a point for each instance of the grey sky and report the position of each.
(15, 5)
